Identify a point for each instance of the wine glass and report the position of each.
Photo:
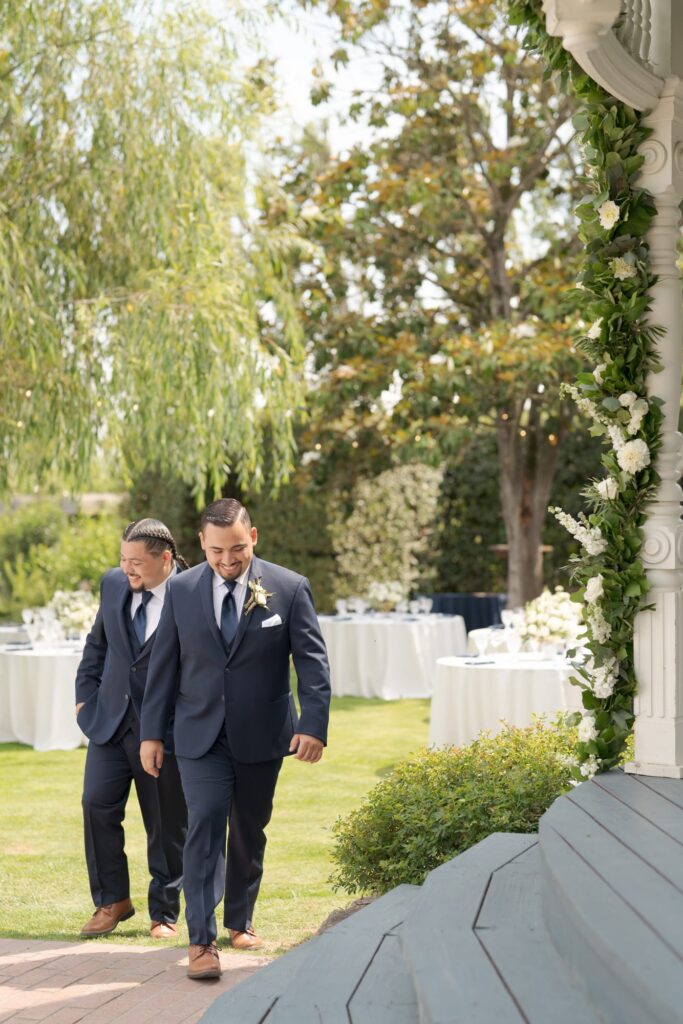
(341, 606)
(425, 604)
(514, 641)
(481, 640)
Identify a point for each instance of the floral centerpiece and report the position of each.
(384, 596)
(74, 609)
(551, 619)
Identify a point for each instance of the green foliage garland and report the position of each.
(614, 302)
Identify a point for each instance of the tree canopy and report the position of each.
(143, 306)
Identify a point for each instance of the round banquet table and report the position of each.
(389, 656)
(37, 698)
(472, 695)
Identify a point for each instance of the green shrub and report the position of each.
(441, 802)
(84, 548)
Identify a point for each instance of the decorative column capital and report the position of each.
(620, 59)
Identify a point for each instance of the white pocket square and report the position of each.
(274, 620)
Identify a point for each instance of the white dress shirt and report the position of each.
(220, 590)
(154, 605)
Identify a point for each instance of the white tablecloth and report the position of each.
(37, 698)
(12, 634)
(389, 656)
(470, 698)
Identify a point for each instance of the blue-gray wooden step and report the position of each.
(318, 980)
(612, 856)
(477, 946)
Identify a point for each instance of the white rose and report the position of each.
(608, 214)
(587, 730)
(607, 488)
(594, 589)
(628, 398)
(622, 269)
(595, 329)
(633, 456)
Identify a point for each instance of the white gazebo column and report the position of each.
(634, 49)
(659, 633)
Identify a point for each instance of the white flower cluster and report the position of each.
(587, 730)
(551, 618)
(638, 409)
(385, 593)
(600, 628)
(594, 588)
(587, 405)
(603, 678)
(590, 767)
(74, 609)
(590, 537)
(595, 329)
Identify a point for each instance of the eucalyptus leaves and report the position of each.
(613, 301)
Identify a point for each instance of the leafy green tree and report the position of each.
(442, 301)
(142, 304)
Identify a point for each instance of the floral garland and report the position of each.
(613, 297)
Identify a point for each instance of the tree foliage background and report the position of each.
(144, 308)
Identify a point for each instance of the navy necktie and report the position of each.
(229, 613)
(140, 617)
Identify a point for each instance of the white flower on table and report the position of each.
(608, 214)
(633, 456)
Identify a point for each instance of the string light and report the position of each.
(418, 437)
(28, 392)
(522, 433)
(318, 446)
(354, 444)
(552, 439)
(504, 416)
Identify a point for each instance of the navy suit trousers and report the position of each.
(218, 789)
(110, 768)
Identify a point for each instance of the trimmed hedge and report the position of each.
(441, 802)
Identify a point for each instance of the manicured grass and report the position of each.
(42, 869)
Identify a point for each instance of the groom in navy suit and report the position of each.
(109, 688)
(220, 665)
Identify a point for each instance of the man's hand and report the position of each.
(79, 706)
(152, 756)
(307, 748)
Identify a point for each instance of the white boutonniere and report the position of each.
(258, 597)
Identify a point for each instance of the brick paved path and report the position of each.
(97, 983)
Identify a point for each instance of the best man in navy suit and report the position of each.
(221, 666)
(110, 684)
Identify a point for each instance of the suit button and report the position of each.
(126, 698)
(133, 668)
(223, 699)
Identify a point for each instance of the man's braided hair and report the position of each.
(156, 537)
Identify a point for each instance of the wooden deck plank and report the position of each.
(634, 831)
(250, 1000)
(669, 789)
(511, 928)
(454, 979)
(385, 994)
(630, 974)
(326, 981)
(651, 895)
(635, 792)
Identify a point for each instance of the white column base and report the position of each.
(657, 771)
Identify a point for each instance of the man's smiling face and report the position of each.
(228, 549)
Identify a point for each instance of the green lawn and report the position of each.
(42, 868)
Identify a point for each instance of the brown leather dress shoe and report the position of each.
(105, 919)
(203, 962)
(245, 940)
(163, 930)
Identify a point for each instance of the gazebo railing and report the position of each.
(634, 29)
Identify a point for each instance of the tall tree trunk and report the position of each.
(527, 461)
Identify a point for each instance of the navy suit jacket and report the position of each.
(111, 674)
(246, 690)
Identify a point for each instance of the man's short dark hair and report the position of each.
(225, 512)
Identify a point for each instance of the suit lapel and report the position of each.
(205, 586)
(243, 624)
(123, 609)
